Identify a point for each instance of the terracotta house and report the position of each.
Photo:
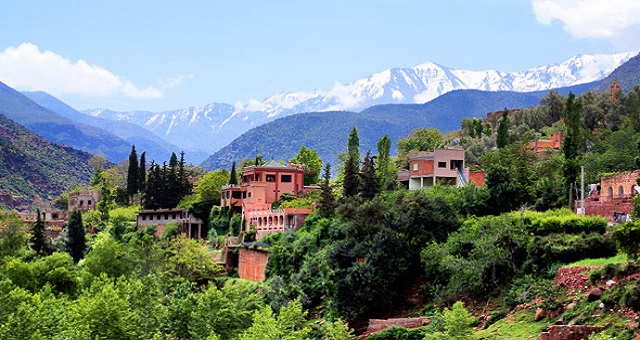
(611, 198)
(262, 185)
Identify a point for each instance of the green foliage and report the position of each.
(561, 221)
(13, 234)
(108, 256)
(396, 332)
(191, 261)
(289, 324)
(225, 312)
(457, 324)
(208, 187)
(309, 157)
(627, 237)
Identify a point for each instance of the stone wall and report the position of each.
(252, 264)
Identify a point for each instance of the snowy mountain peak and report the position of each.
(214, 125)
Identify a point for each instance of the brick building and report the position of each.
(611, 198)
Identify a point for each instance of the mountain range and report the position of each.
(156, 148)
(204, 130)
(327, 132)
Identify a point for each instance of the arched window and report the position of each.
(620, 191)
(610, 192)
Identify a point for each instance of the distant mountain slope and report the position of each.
(33, 169)
(627, 75)
(327, 132)
(56, 128)
(212, 126)
(156, 148)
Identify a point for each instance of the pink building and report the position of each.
(261, 186)
(188, 224)
(442, 167)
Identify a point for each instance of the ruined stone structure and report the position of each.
(611, 198)
(442, 167)
(252, 263)
(188, 224)
(84, 199)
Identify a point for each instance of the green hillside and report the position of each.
(33, 169)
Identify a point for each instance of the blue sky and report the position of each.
(163, 55)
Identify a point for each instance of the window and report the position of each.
(236, 194)
(244, 194)
(285, 178)
(144, 218)
(54, 216)
(81, 203)
(89, 202)
(415, 166)
(151, 218)
(442, 164)
(620, 191)
(270, 178)
(257, 178)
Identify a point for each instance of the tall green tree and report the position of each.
(350, 181)
(76, 241)
(385, 170)
(133, 174)
(572, 141)
(142, 173)
(369, 185)
(502, 138)
(327, 201)
(233, 177)
(38, 238)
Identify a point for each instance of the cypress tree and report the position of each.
(233, 177)
(76, 242)
(39, 236)
(185, 186)
(502, 138)
(385, 172)
(133, 174)
(351, 165)
(369, 186)
(142, 172)
(327, 201)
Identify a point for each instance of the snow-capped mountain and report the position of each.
(207, 129)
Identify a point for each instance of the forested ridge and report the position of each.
(478, 261)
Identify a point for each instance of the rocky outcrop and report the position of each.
(569, 332)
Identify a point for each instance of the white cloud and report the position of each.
(615, 20)
(27, 68)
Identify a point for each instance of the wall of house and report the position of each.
(252, 264)
(614, 197)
